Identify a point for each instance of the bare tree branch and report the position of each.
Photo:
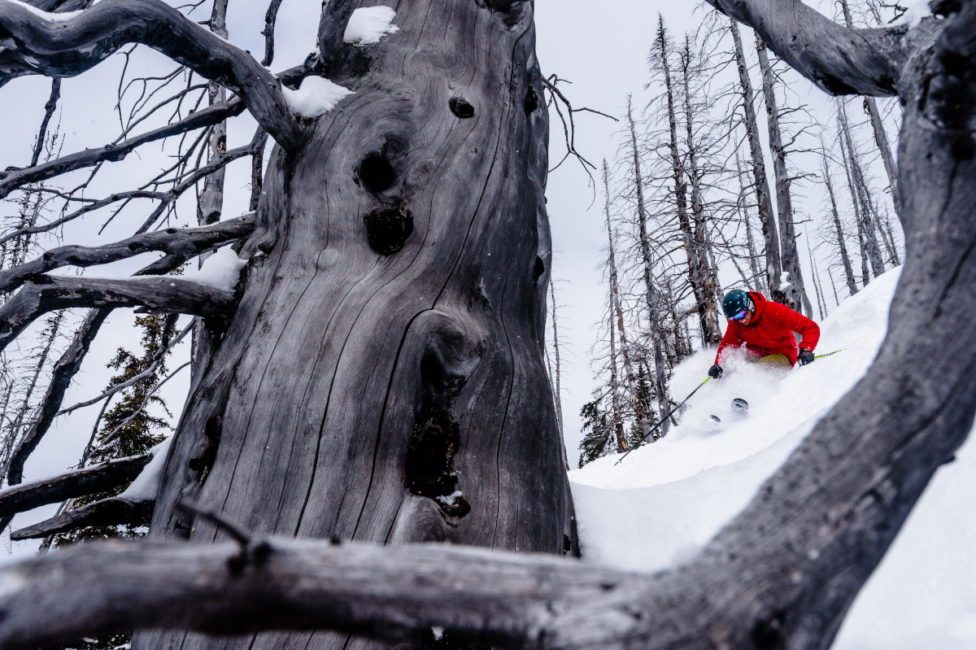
(11, 179)
(148, 372)
(49, 107)
(838, 59)
(59, 46)
(268, 32)
(106, 512)
(396, 593)
(187, 242)
(64, 370)
(73, 484)
(48, 293)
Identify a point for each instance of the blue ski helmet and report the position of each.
(735, 302)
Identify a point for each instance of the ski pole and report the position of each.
(663, 420)
(827, 354)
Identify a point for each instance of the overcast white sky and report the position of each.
(602, 49)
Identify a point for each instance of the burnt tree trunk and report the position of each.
(651, 294)
(383, 378)
(794, 290)
(764, 205)
(704, 273)
(617, 312)
(698, 269)
(839, 231)
(858, 185)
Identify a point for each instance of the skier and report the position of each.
(766, 328)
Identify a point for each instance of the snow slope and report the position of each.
(666, 500)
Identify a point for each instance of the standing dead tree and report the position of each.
(757, 163)
(794, 292)
(783, 573)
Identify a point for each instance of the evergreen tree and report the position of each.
(128, 428)
(597, 432)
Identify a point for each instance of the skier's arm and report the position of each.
(808, 330)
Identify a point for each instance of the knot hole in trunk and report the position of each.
(387, 229)
(461, 107)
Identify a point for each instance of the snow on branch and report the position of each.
(53, 45)
(840, 60)
(394, 593)
(49, 293)
(73, 484)
(187, 242)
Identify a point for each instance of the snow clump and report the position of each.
(221, 270)
(146, 485)
(315, 96)
(369, 25)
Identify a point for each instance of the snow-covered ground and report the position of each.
(666, 500)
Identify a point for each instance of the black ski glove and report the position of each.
(805, 357)
(715, 371)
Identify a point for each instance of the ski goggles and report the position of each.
(740, 315)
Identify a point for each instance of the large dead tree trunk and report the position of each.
(390, 335)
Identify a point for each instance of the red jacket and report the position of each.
(770, 331)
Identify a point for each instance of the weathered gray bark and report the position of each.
(401, 322)
(757, 162)
(795, 293)
(652, 299)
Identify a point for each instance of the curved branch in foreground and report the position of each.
(840, 60)
(49, 293)
(73, 484)
(55, 45)
(394, 593)
(187, 242)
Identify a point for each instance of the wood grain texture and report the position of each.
(340, 359)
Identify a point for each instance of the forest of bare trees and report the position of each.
(711, 173)
(370, 452)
